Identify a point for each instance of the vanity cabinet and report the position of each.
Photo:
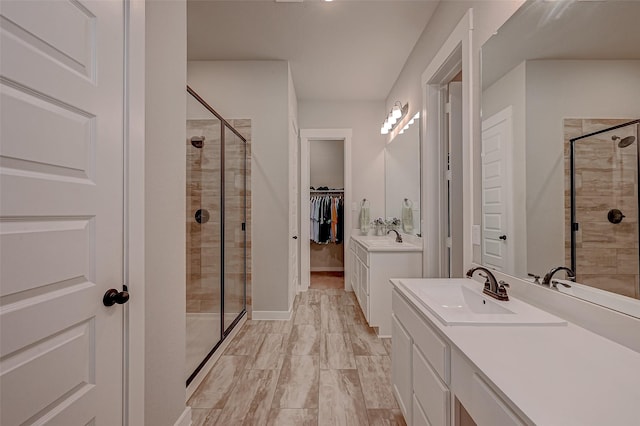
(372, 268)
(419, 367)
(428, 375)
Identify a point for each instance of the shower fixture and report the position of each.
(624, 142)
(197, 141)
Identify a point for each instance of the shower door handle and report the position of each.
(503, 237)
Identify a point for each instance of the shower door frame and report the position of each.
(574, 224)
(224, 124)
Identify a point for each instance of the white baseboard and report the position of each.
(216, 355)
(327, 269)
(273, 315)
(185, 418)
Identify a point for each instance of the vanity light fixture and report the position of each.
(398, 111)
(409, 123)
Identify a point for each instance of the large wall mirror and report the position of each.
(560, 110)
(402, 178)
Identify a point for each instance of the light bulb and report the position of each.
(392, 120)
(384, 130)
(401, 132)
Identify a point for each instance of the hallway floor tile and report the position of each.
(323, 367)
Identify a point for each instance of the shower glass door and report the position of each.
(203, 238)
(235, 225)
(605, 208)
(216, 213)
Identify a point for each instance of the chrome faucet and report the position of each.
(547, 278)
(398, 237)
(492, 287)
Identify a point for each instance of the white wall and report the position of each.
(258, 90)
(509, 90)
(557, 90)
(326, 164)
(367, 145)
(165, 259)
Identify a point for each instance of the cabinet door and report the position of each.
(401, 367)
(419, 418)
(429, 390)
(355, 270)
(364, 290)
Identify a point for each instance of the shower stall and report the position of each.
(603, 204)
(216, 229)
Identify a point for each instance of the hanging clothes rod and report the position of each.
(325, 191)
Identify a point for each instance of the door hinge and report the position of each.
(449, 242)
(575, 226)
(243, 226)
(447, 108)
(448, 174)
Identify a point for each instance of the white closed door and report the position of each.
(61, 212)
(496, 196)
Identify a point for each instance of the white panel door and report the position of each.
(61, 212)
(496, 196)
(294, 242)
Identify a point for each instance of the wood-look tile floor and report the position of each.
(326, 280)
(323, 367)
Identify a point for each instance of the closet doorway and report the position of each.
(325, 207)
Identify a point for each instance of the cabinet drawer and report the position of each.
(419, 418)
(434, 348)
(362, 254)
(479, 399)
(429, 390)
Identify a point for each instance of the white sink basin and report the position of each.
(459, 301)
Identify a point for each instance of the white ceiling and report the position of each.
(340, 50)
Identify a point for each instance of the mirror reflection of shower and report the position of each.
(604, 177)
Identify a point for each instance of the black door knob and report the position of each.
(295, 237)
(113, 296)
(503, 237)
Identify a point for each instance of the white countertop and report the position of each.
(386, 243)
(554, 375)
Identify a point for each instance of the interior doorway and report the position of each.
(326, 204)
(325, 207)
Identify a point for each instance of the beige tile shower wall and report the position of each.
(606, 178)
(203, 240)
